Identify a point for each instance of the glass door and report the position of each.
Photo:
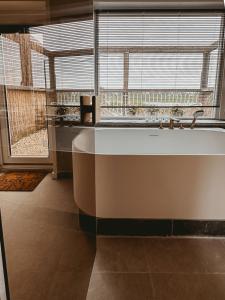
(24, 130)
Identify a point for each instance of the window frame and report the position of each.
(220, 84)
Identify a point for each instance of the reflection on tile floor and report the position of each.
(48, 257)
(159, 269)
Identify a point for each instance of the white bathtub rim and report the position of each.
(89, 136)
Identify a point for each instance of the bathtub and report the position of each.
(146, 173)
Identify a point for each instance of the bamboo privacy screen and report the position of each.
(26, 112)
(24, 80)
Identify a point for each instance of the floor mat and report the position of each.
(21, 181)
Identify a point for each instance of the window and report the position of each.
(10, 68)
(111, 71)
(147, 61)
(165, 71)
(40, 70)
(75, 72)
(71, 47)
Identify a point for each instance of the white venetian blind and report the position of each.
(10, 66)
(40, 70)
(149, 52)
(72, 46)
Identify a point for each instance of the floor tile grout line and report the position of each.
(154, 272)
(146, 256)
(222, 241)
(174, 237)
(150, 278)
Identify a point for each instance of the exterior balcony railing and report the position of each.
(158, 103)
(146, 103)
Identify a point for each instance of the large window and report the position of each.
(70, 51)
(151, 61)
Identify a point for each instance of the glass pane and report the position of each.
(23, 75)
(162, 60)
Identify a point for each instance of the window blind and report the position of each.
(75, 72)
(167, 59)
(71, 44)
(40, 70)
(10, 66)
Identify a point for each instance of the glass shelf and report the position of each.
(62, 105)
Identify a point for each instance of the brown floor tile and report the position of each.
(77, 250)
(117, 286)
(188, 286)
(69, 285)
(166, 255)
(120, 255)
(31, 259)
(47, 216)
(52, 194)
(48, 258)
(185, 255)
(212, 252)
(27, 285)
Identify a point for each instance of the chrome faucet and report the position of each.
(198, 113)
(172, 121)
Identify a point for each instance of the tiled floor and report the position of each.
(48, 257)
(159, 269)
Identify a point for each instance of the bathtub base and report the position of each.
(87, 223)
(150, 227)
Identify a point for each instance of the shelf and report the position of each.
(62, 105)
(75, 117)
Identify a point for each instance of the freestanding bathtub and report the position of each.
(149, 173)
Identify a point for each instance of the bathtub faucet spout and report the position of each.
(198, 113)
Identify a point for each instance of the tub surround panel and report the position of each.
(160, 187)
(84, 182)
(84, 172)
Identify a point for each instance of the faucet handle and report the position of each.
(196, 114)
